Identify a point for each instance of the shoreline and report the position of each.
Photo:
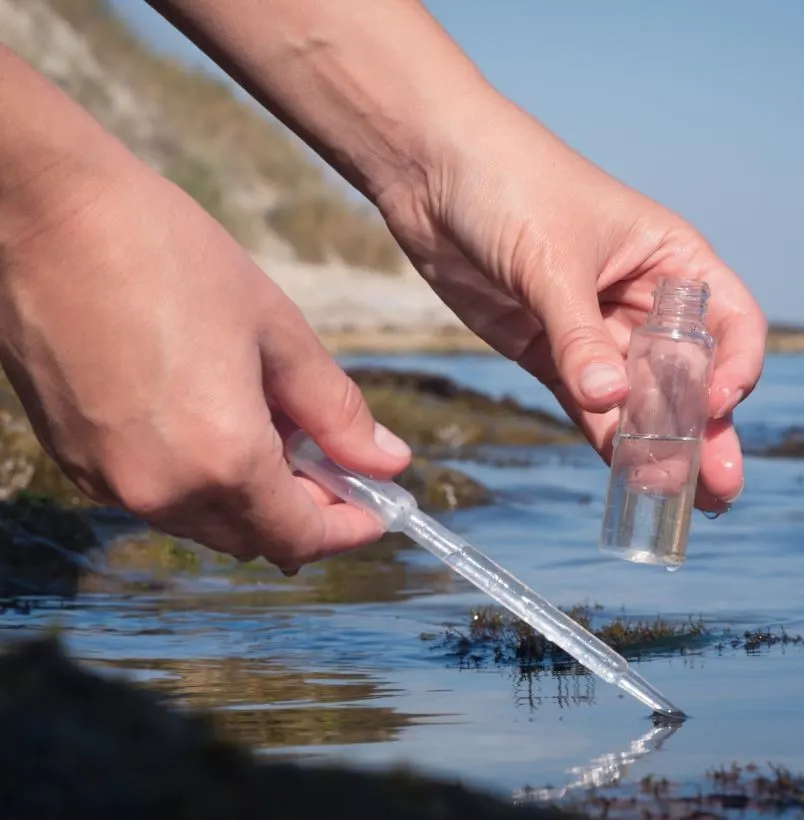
(437, 341)
(457, 341)
(355, 311)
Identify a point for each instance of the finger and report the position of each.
(721, 472)
(587, 358)
(276, 515)
(321, 496)
(739, 327)
(598, 428)
(346, 527)
(741, 332)
(721, 465)
(302, 378)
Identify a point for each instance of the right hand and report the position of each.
(153, 358)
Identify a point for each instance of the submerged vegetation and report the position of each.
(496, 636)
(734, 791)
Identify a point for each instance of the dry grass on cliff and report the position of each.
(217, 146)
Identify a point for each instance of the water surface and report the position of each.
(331, 665)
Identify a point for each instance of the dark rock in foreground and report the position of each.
(80, 746)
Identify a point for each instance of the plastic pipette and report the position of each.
(398, 511)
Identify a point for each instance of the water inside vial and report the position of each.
(650, 499)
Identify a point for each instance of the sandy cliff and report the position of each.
(332, 256)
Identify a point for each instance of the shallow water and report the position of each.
(331, 665)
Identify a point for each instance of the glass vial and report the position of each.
(654, 466)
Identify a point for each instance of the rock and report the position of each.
(427, 409)
(790, 446)
(148, 560)
(43, 548)
(438, 488)
(24, 465)
(79, 745)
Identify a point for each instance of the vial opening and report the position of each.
(677, 299)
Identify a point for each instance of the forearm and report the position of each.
(372, 86)
(53, 155)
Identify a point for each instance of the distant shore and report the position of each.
(451, 340)
(355, 311)
(785, 339)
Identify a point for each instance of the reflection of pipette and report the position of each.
(398, 511)
(607, 769)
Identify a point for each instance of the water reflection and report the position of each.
(386, 572)
(605, 770)
(383, 573)
(574, 686)
(268, 705)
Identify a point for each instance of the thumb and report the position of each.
(301, 378)
(588, 361)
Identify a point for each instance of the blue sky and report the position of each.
(697, 104)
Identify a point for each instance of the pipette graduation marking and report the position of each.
(398, 511)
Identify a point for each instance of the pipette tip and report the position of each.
(633, 683)
(674, 717)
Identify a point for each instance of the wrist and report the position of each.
(374, 88)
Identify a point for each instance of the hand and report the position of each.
(553, 262)
(158, 365)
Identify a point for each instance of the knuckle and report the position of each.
(140, 494)
(352, 404)
(581, 336)
(230, 454)
(227, 465)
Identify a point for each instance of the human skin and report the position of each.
(158, 365)
(162, 369)
(538, 251)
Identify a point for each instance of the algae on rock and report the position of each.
(438, 488)
(428, 409)
(494, 634)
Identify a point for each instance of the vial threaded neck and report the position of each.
(680, 300)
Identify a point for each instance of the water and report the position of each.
(650, 499)
(331, 666)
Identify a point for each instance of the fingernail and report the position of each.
(600, 380)
(729, 403)
(390, 443)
